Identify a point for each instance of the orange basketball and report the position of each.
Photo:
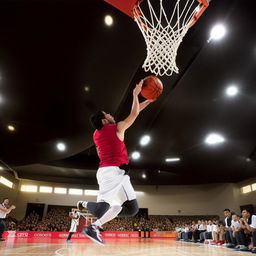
(152, 87)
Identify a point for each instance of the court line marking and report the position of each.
(63, 248)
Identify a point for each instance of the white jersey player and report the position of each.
(75, 216)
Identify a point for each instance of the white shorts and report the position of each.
(114, 186)
(74, 224)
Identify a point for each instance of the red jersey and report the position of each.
(112, 151)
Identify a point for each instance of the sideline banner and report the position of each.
(162, 234)
(64, 235)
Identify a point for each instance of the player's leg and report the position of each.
(129, 208)
(98, 209)
(93, 231)
(109, 180)
(127, 197)
(69, 236)
(2, 229)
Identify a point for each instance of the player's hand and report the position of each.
(13, 207)
(137, 89)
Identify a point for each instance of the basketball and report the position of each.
(152, 87)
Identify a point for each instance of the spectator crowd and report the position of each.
(235, 231)
(56, 220)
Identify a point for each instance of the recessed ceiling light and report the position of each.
(159, 171)
(144, 176)
(232, 91)
(135, 155)
(214, 138)
(145, 140)
(248, 159)
(108, 20)
(173, 159)
(87, 88)
(217, 32)
(1, 168)
(61, 146)
(11, 128)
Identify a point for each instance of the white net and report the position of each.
(163, 28)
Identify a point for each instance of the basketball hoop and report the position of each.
(163, 33)
(163, 24)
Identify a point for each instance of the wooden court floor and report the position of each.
(113, 247)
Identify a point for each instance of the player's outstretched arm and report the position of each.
(145, 103)
(135, 110)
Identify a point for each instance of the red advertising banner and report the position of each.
(168, 234)
(64, 235)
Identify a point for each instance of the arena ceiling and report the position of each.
(59, 63)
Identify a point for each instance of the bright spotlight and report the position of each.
(214, 138)
(108, 20)
(61, 146)
(135, 155)
(145, 140)
(217, 32)
(11, 128)
(232, 91)
(144, 176)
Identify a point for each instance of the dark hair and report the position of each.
(96, 120)
(226, 210)
(5, 198)
(244, 209)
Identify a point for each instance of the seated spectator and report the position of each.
(186, 232)
(229, 239)
(235, 224)
(199, 228)
(178, 231)
(243, 232)
(252, 228)
(208, 233)
(218, 233)
(202, 229)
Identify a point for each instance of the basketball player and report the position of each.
(74, 215)
(116, 195)
(4, 210)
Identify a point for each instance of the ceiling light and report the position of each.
(217, 32)
(1, 99)
(61, 146)
(145, 140)
(173, 159)
(90, 192)
(214, 138)
(87, 88)
(11, 128)
(1, 168)
(6, 182)
(232, 91)
(144, 176)
(108, 20)
(135, 155)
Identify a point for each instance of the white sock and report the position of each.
(97, 223)
(109, 215)
(84, 204)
